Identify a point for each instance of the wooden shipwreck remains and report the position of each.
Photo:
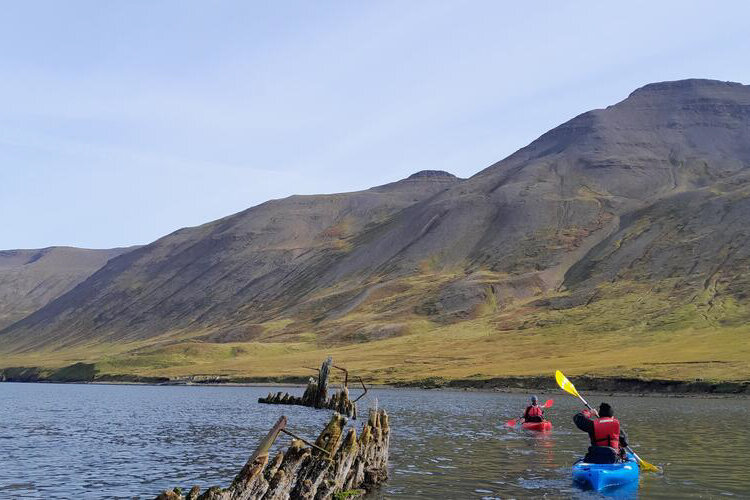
(316, 393)
(339, 464)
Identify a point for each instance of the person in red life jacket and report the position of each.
(534, 412)
(608, 440)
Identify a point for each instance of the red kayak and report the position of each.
(538, 426)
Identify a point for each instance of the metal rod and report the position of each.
(363, 387)
(308, 443)
(346, 375)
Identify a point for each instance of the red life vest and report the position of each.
(606, 432)
(534, 411)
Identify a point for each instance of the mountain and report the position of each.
(627, 219)
(29, 279)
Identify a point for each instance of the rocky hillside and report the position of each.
(645, 198)
(29, 279)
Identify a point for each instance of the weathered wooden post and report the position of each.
(325, 371)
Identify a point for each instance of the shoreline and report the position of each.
(82, 373)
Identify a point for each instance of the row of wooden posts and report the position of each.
(338, 462)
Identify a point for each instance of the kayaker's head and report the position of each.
(605, 410)
(534, 400)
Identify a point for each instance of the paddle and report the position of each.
(547, 404)
(567, 386)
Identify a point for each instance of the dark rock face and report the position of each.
(656, 185)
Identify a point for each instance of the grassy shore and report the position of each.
(461, 352)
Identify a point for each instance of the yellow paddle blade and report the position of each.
(565, 384)
(647, 466)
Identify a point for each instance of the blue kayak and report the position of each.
(599, 477)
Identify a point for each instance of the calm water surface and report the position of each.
(99, 441)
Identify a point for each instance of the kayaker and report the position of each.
(534, 412)
(608, 440)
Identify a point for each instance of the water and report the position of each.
(98, 441)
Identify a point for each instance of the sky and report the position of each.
(123, 121)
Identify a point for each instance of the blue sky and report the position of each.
(123, 121)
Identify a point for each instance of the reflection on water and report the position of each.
(95, 441)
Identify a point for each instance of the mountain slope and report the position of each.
(623, 219)
(212, 273)
(29, 279)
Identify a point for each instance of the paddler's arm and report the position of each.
(583, 421)
(623, 439)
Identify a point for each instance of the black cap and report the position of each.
(605, 410)
(534, 400)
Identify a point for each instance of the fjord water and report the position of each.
(108, 441)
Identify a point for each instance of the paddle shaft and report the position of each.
(640, 460)
(586, 403)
